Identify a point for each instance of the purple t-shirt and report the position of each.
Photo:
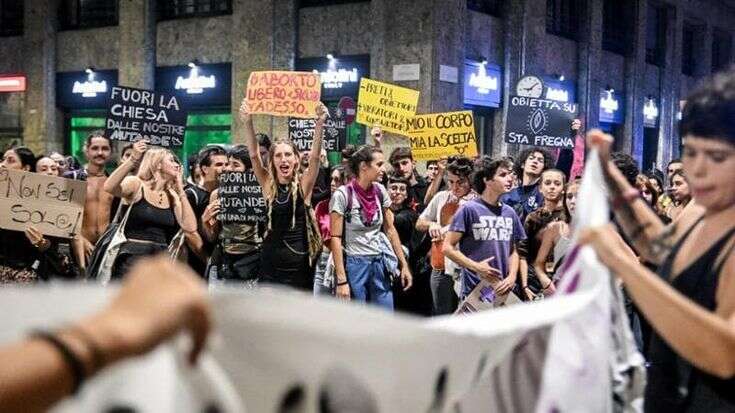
(488, 231)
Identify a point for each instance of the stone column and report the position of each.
(427, 33)
(588, 64)
(263, 38)
(137, 55)
(525, 28)
(668, 142)
(635, 77)
(39, 65)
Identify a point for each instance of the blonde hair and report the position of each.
(151, 163)
(294, 184)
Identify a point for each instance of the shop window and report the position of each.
(84, 14)
(563, 17)
(175, 9)
(688, 63)
(721, 47)
(11, 127)
(491, 7)
(11, 17)
(80, 125)
(617, 20)
(320, 3)
(655, 35)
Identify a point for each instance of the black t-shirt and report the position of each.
(198, 199)
(416, 194)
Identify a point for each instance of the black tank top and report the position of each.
(674, 385)
(147, 222)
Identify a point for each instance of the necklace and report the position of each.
(283, 191)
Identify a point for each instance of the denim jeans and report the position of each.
(368, 280)
(321, 268)
(444, 299)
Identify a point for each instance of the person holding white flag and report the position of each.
(691, 301)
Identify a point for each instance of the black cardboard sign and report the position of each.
(540, 122)
(157, 117)
(241, 198)
(301, 131)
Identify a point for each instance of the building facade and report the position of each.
(629, 64)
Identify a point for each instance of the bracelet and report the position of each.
(345, 282)
(72, 361)
(98, 356)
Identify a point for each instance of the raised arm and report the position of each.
(261, 174)
(309, 178)
(437, 181)
(182, 209)
(116, 184)
(650, 237)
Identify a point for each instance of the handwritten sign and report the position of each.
(157, 117)
(54, 206)
(241, 198)
(388, 105)
(540, 122)
(436, 135)
(279, 93)
(301, 131)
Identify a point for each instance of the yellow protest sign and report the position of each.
(442, 134)
(53, 205)
(279, 93)
(389, 106)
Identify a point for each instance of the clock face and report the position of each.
(530, 86)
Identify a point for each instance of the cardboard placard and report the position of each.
(540, 122)
(157, 117)
(52, 205)
(279, 93)
(389, 106)
(436, 135)
(241, 198)
(301, 131)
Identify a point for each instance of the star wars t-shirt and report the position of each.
(488, 231)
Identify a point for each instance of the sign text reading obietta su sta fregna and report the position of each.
(279, 93)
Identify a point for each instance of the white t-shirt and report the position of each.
(432, 213)
(358, 238)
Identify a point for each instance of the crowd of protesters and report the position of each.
(371, 229)
(379, 232)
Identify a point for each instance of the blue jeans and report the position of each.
(321, 268)
(368, 280)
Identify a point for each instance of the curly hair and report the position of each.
(548, 159)
(460, 166)
(627, 166)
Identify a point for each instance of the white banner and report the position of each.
(275, 350)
